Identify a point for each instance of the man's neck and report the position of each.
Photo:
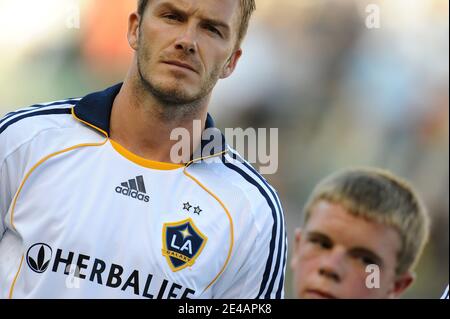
(143, 126)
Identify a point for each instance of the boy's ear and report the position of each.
(297, 239)
(402, 283)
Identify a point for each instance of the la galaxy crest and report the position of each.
(182, 243)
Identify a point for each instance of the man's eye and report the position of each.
(172, 17)
(213, 30)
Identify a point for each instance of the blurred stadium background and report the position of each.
(341, 94)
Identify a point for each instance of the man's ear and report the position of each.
(297, 239)
(133, 30)
(230, 66)
(402, 283)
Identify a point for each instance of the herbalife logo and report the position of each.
(134, 188)
(38, 257)
(81, 268)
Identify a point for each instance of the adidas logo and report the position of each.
(134, 188)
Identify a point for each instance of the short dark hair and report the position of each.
(247, 9)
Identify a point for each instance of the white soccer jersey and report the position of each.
(82, 217)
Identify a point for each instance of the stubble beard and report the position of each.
(173, 99)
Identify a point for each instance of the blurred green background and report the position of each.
(340, 93)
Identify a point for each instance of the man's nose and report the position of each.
(332, 265)
(187, 41)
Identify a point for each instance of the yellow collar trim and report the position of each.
(142, 161)
(88, 124)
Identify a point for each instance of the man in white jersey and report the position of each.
(92, 203)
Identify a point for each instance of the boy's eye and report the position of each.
(368, 260)
(320, 242)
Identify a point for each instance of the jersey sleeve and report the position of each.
(13, 143)
(5, 198)
(5, 191)
(261, 260)
(9, 172)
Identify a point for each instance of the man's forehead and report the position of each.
(216, 9)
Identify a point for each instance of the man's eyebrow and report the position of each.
(216, 23)
(169, 6)
(365, 251)
(211, 21)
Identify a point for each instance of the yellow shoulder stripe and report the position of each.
(231, 245)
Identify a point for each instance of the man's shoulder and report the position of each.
(238, 171)
(23, 124)
(241, 182)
